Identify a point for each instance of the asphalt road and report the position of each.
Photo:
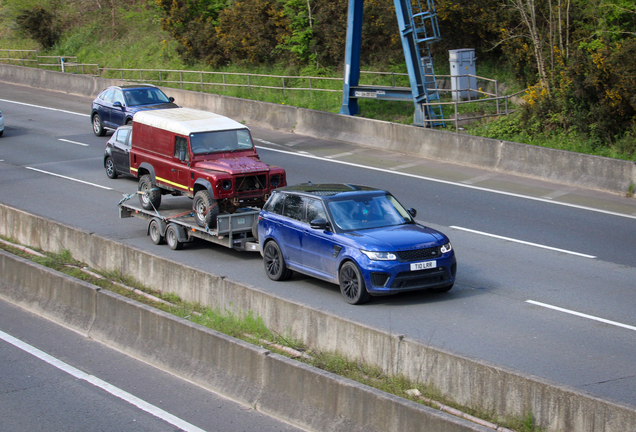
(546, 278)
(53, 379)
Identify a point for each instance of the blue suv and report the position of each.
(116, 105)
(358, 237)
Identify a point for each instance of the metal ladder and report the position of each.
(419, 29)
(417, 22)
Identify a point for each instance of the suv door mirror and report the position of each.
(118, 104)
(412, 212)
(320, 223)
(171, 99)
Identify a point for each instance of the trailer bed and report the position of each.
(233, 230)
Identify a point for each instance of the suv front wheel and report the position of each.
(149, 195)
(205, 209)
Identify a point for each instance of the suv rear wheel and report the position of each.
(150, 196)
(205, 209)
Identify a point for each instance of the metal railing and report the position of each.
(497, 105)
(487, 93)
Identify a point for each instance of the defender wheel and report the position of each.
(275, 263)
(154, 230)
(172, 238)
(150, 196)
(111, 172)
(98, 129)
(352, 285)
(205, 209)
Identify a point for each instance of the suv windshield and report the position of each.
(145, 96)
(368, 212)
(219, 141)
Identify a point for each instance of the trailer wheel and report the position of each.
(150, 196)
(205, 209)
(154, 230)
(172, 238)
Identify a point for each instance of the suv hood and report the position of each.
(399, 238)
(237, 165)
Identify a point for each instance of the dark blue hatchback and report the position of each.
(116, 105)
(358, 237)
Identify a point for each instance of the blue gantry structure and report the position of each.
(417, 21)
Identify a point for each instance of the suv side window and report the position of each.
(275, 204)
(315, 210)
(107, 96)
(181, 145)
(293, 207)
(118, 97)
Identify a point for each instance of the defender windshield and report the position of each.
(219, 141)
(368, 212)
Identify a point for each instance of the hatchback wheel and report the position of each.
(111, 172)
(274, 262)
(352, 285)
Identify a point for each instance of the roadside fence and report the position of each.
(481, 102)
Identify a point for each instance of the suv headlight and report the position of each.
(379, 256)
(446, 248)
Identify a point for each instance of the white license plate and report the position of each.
(423, 265)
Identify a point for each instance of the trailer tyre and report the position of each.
(154, 230)
(150, 196)
(205, 209)
(172, 238)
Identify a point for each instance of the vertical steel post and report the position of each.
(352, 57)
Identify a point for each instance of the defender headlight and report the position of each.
(446, 248)
(379, 256)
(226, 185)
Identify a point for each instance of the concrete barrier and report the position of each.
(270, 383)
(470, 382)
(559, 166)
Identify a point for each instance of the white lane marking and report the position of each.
(68, 178)
(448, 182)
(73, 142)
(523, 242)
(480, 178)
(582, 315)
(339, 155)
(115, 391)
(43, 107)
(408, 165)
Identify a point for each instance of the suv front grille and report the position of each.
(251, 185)
(419, 254)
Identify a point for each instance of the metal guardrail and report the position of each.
(205, 81)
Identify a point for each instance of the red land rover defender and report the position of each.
(208, 157)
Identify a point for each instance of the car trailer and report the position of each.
(176, 227)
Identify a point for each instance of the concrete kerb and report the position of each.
(270, 383)
(565, 167)
(62, 299)
(470, 382)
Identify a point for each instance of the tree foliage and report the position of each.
(40, 25)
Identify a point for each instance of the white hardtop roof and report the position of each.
(184, 121)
